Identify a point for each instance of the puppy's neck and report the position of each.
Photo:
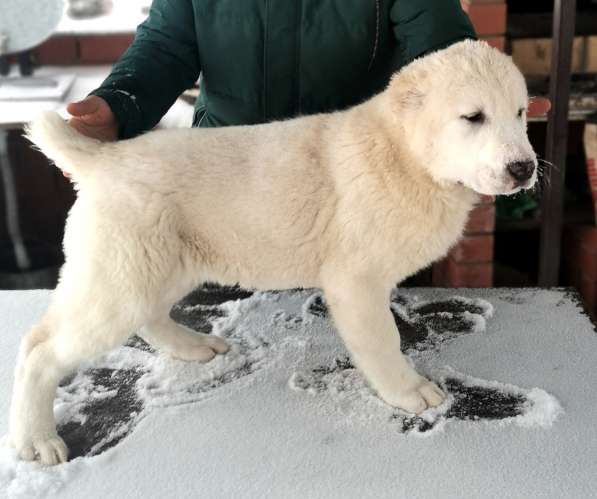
(400, 166)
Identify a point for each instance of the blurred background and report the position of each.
(544, 238)
(34, 196)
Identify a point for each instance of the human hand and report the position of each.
(93, 117)
(538, 106)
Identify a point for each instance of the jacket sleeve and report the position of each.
(161, 63)
(422, 26)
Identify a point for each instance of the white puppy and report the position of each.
(351, 202)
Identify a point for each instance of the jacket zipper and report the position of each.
(376, 42)
(299, 22)
(265, 61)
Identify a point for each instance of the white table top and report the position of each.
(241, 425)
(15, 114)
(124, 17)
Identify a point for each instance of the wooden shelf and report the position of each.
(582, 100)
(573, 115)
(539, 25)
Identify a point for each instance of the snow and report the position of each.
(284, 413)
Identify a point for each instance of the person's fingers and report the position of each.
(106, 132)
(88, 105)
(538, 106)
(80, 126)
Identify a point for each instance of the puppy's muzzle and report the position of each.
(521, 171)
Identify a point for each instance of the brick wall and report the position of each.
(489, 19)
(87, 49)
(469, 264)
(579, 266)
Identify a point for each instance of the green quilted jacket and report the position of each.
(263, 60)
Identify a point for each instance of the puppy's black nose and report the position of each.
(521, 170)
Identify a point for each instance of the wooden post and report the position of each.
(556, 143)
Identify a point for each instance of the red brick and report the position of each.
(587, 289)
(580, 262)
(588, 236)
(469, 275)
(571, 237)
(570, 259)
(473, 249)
(588, 246)
(438, 273)
(104, 49)
(499, 42)
(582, 235)
(483, 199)
(58, 50)
(579, 245)
(487, 18)
(481, 220)
(587, 264)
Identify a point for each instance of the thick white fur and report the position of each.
(351, 202)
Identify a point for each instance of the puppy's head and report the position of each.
(463, 110)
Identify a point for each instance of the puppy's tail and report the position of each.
(72, 152)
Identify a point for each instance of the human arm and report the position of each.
(93, 117)
(423, 26)
(160, 64)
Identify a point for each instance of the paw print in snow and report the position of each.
(98, 406)
(423, 327)
(427, 324)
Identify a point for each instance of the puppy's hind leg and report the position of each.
(37, 334)
(179, 342)
(72, 331)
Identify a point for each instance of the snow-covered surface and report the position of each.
(284, 413)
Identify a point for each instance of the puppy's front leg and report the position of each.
(362, 315)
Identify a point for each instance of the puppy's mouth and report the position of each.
(517, 186)
(489, 182)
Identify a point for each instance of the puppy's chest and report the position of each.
(423, 235)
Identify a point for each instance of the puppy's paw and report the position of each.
(216, 343)
(203, 349)
(422, 396)
(49, 450)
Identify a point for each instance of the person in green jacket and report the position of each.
(263, 60)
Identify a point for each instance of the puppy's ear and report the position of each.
(407, 87)
(411, 99)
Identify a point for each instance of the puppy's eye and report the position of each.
(520, 112)
(476, 118)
